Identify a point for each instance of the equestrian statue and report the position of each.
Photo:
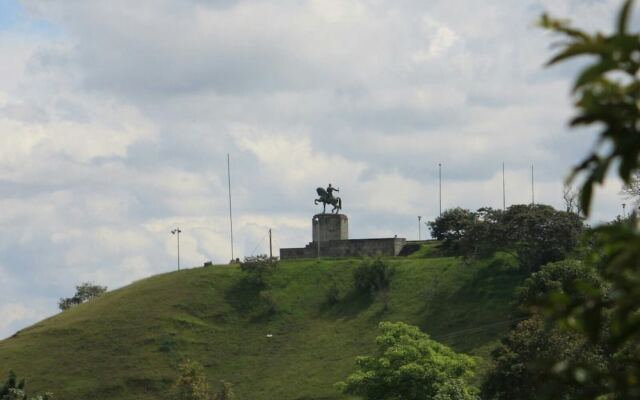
(327, 197)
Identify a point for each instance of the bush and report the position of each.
(191, 383)
(225, 392)
(258, 268)
(84, 293)
(372, 276)
(15, 390)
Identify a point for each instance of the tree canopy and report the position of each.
(408, 365)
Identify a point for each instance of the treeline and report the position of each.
(535, 234)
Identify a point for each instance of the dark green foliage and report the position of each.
(14, 390)
(451, 226)
(11, 383)
(521, 372)
(569, 279)
(539, 234)
(536, 234)
(608, 94)
(258, 268)
(522, 361)
(408, 365)
(372, 276)
(84, 293)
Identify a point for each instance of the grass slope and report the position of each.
(127, 343)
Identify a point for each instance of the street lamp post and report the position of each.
(440, 188)
(624, 212)
(419, 227)
(177, 232)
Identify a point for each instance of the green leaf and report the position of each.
(580, 48)
(623, 18)
(593, 73)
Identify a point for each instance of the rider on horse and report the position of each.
(330, 191)
(327, 197)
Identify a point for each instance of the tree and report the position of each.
(535, 234)
(608, 94)
(517, 372)
(451, 226)
(566, 278)
(84, 293)
(408, 365)
(521, 362)
(191, 383)
(540, 234)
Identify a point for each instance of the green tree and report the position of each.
(84, 292)
(408, 365)
(520, 372)
(521, 362)
(608, 94)
(535, 234)
(191, 383)
(451, 226)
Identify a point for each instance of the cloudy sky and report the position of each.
(116, 118)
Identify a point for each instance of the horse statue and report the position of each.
(326, 198)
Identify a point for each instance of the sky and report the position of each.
(116, 119)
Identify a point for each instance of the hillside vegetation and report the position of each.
(127, 343)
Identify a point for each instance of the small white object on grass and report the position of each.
(269, 335)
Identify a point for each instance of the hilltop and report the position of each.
(127, 343)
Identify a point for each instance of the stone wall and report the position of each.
(386, 247)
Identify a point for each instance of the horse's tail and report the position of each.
(339, 203)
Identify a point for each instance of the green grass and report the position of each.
(127, 343)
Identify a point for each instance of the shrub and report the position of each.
(13, 389)
(191, 383)
(258, 268)
(84, 293)
(373, 276)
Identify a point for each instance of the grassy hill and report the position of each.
(127, 343)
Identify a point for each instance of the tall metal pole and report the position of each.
(624, 213)
(318, 234)
(440, 187)
(419, 228)
(504, 196)
(177, 233)
(533, 200)
(270, 247)
(230, 213)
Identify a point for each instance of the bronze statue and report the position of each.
(327, 197)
